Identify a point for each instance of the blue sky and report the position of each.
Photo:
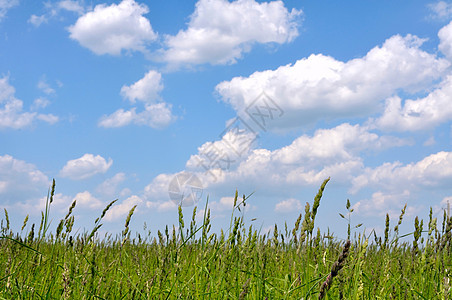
(114, 99)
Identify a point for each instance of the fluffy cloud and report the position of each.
(155, 115)
(288, 205)
(36, 205)
(86, 166)
(308, 160)
(5, 5)
(120, 210)
(161, 206)
(112, 29)
(158, 188)
(110, 186)
(86, 199)
(146, 89)
(20, 180)
(420, 114)
(445, 37)
(320, 87)
(381, 204)
(434, 170)
(224, 154)
(219, 31)
(11, 109)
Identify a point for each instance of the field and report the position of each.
(190, 262)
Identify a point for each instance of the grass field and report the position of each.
(190, 262)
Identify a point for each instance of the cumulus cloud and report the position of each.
(146, 89)
(288, 205)
(112, 29)
(20, 180)
(234, 146)
(86, 166)
(155, 114)
(445, 37)
(308, 160)
(161, 206)
(120, 210)
(420, 114)
(219, 31)
(158, 188)
(434, 170)
(5, 5)
(86, 199)
(110, 186)
(12, 114)
(35, 205)
(321, 87)
(382, 203)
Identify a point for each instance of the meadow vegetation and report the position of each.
(188, 261)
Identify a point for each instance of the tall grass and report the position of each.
(191, 262)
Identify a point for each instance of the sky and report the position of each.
(160, 103)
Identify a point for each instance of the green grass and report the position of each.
(190, 262)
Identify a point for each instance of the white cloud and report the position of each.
(320, 87)
(20, 180)
(36, 205)
(5, 5)
(86, 199)
(224, 154)
(434, 170)
(122, 209)
(381, 204)
(307, 160)
(158, 188)
(154, 115)
(110, 186)
(430, 141)
(119, 118)
(73, 6)
(38, 20)
(421, 114)
(40, 103)
(112, 29)
(49, 118)
(445, 37)
(45, 87)
(441, 10)
(11, 109)
(288, 205)
(146, 89)
(53, 9)
(219, 31)
(161, 206)
(86, 166)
